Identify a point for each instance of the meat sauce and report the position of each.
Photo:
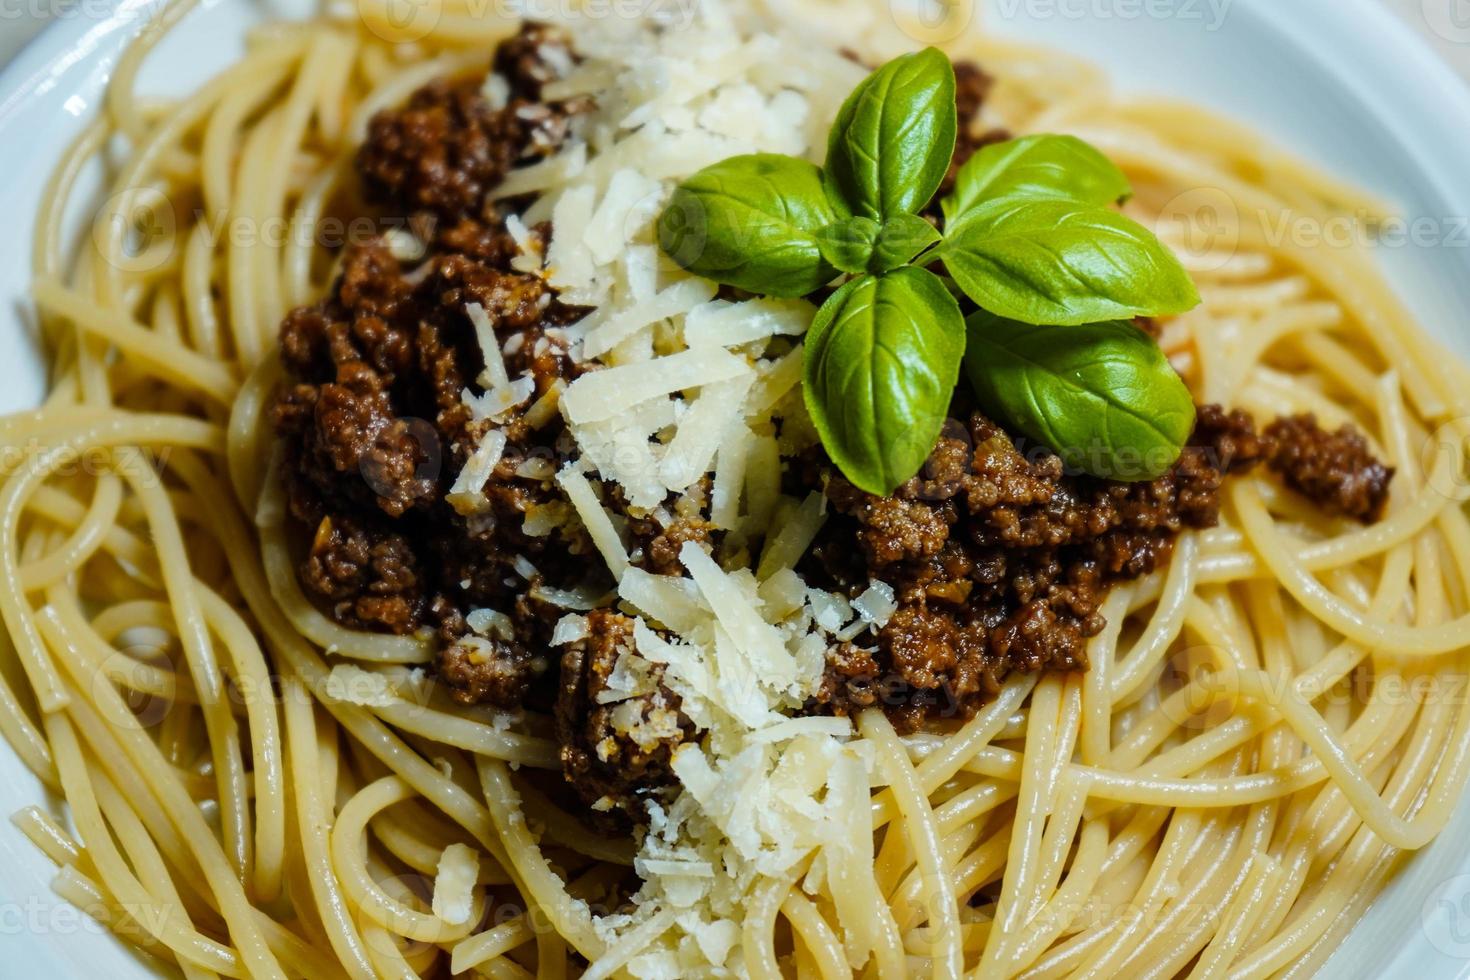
(999, 558)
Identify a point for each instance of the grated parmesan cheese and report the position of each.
(609, 330)
(796, 535)
(674, 602)
(351, 684)
(676, 385)
(569, 629)
(467, 495)
(739, 615)
(716, 418)
(602, 395)
(544, 409)
(723, 324)
(877, 604)
(494, 375)
(499, 399)
(627, 208)
(496, 91)
(454, 884)
(599, 525)
(489, 622)
(404, 245)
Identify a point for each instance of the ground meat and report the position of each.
(443, 151)
(1000, 560)
(440, 153)
(660, 553)
(372, 419)
(375, 428)
(371, 579)
(616, 748)
(481, 670)
(540, 53)
(1336, 470)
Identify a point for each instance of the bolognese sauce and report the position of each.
(999, 558)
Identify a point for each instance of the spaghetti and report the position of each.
(1267, 726)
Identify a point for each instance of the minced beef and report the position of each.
(374, 427)
(368, 579)
(448, 147)
(1336, 470)
(1000, 560)
(617, 755)
(372, 419)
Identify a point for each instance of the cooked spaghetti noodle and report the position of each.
(1266, 729)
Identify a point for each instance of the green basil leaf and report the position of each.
(862, 245)
(752, 222)
(1058, 262)
(894, 137)
(1102, 395)
(848, 244)
(900, 240)
(882, 359)
(1062, 168)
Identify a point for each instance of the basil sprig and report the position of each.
(1030, 237)
(861, 245)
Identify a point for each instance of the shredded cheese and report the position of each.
(715, 419)
(599, 525)
(738, 614)
(724, 324)
(454, 884)
(467, 495)
(676, 384)
(494, 375)
(602, 395)
(795, 536)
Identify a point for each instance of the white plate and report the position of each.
(1339, 81)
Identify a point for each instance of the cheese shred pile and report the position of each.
(695, 399)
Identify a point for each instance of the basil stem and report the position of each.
(1102, 396)
(752, 222)
(882, 359)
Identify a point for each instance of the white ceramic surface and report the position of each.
(1342, 82)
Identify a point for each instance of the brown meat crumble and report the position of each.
(999, 558)
(616, 754)
(1335, 470)
(374, 429)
